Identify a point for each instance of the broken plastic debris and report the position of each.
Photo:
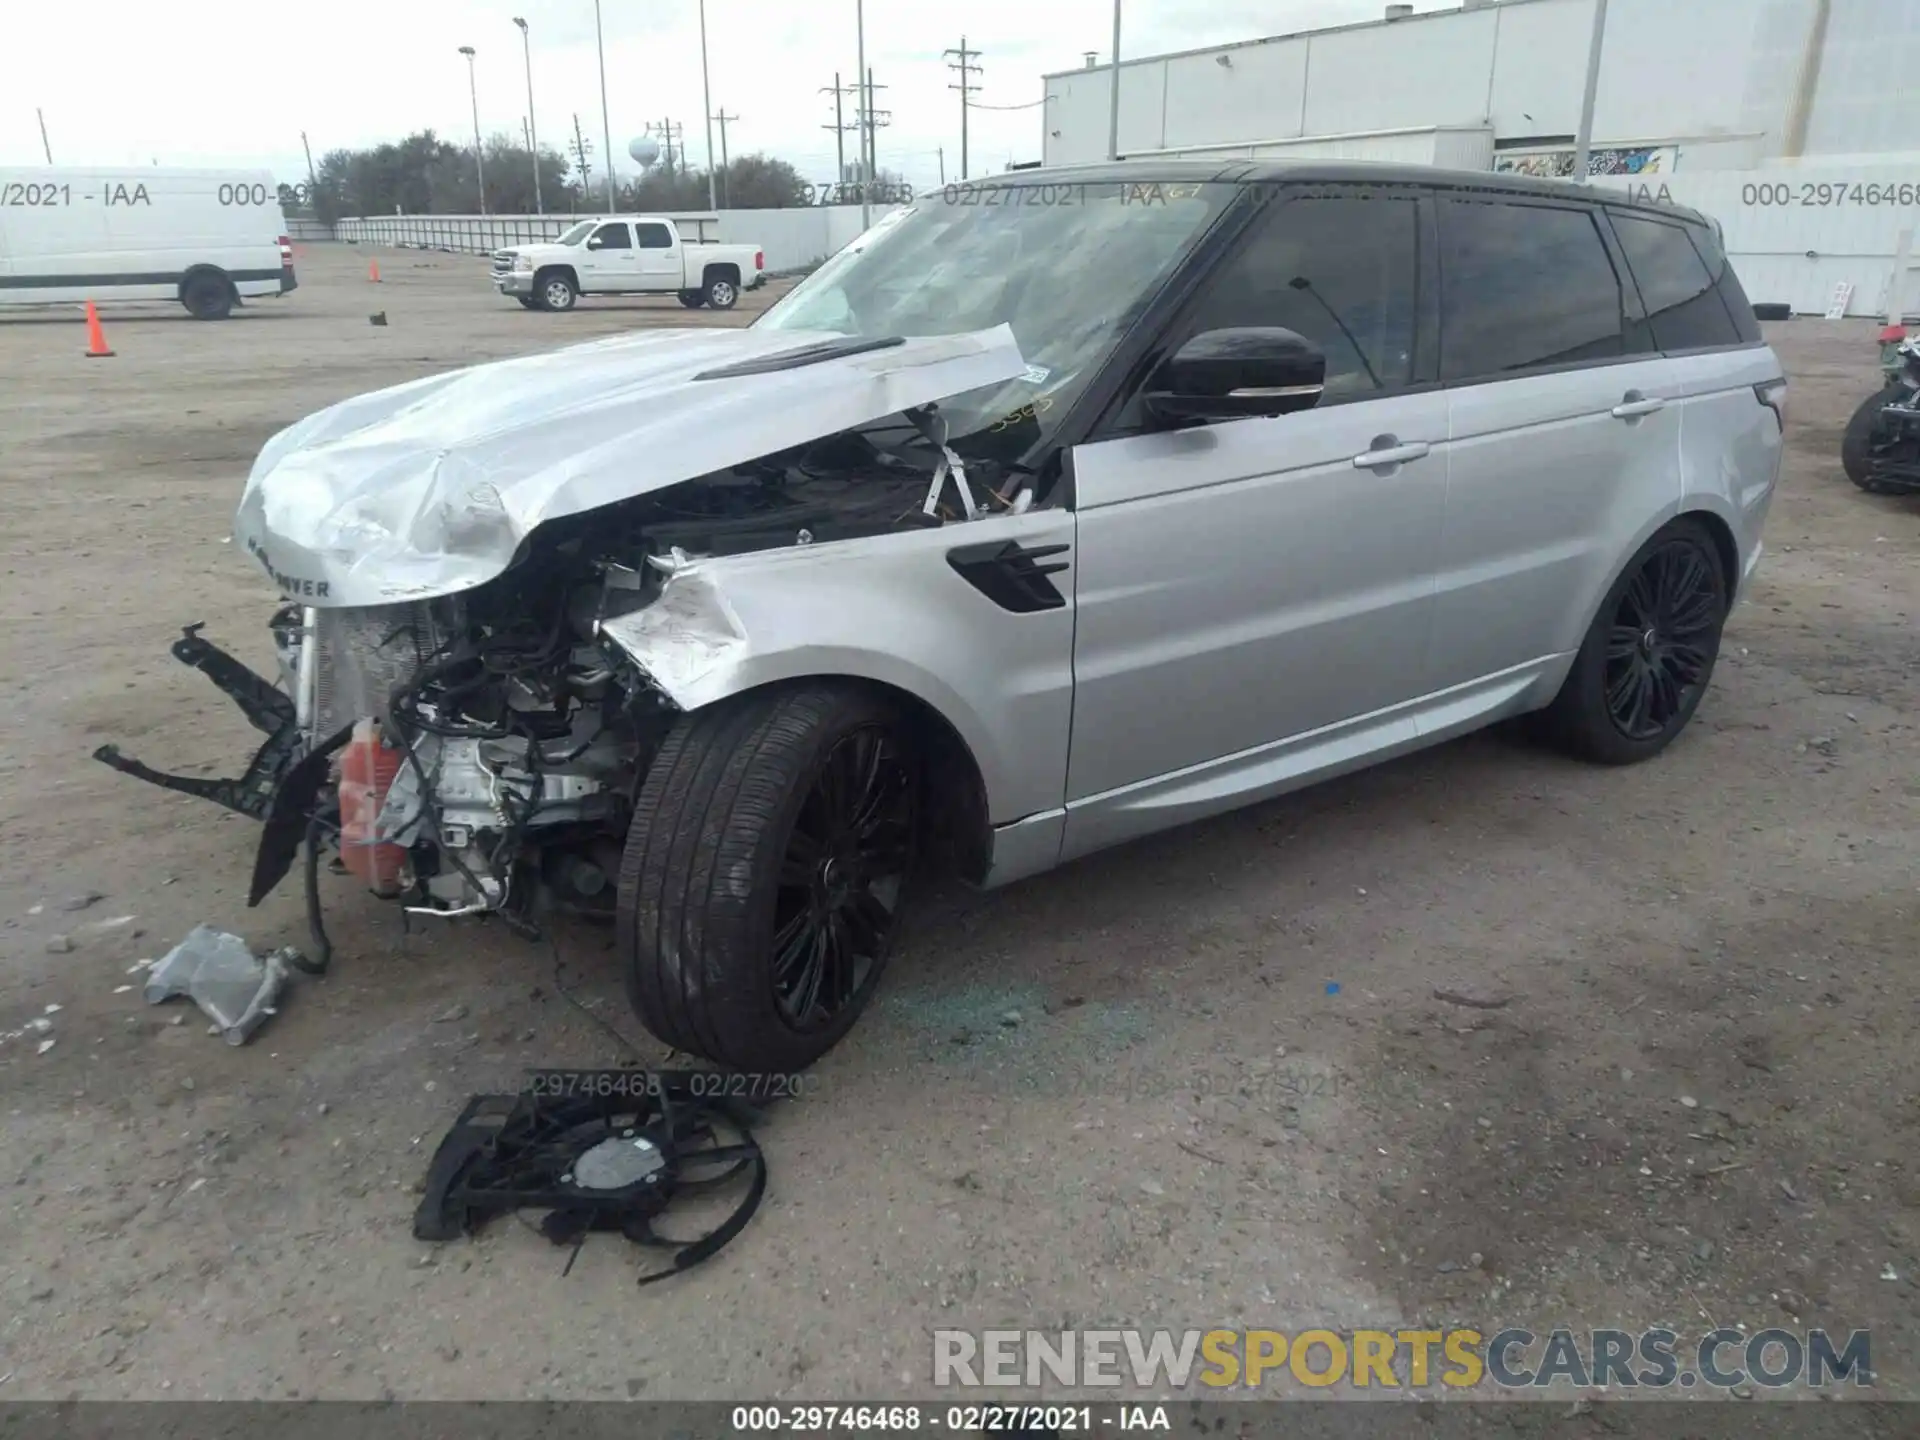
(46, 1045)
(233, 987)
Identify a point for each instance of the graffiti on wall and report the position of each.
(1558, 164)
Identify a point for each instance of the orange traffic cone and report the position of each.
(373, 271)
(96, 337)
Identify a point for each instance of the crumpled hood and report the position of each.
(428, 488)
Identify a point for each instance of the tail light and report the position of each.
(1773, 395)
(759, 259)
(1893, 334)
(286, 250)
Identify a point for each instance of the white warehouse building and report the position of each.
(1790, 121)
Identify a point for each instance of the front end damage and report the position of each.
(480, 751)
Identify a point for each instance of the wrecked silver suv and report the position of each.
(1051, 512)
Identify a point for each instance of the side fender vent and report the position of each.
(1011, 575)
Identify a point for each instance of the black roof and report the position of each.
(1351, 172)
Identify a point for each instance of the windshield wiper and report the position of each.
(805, 355)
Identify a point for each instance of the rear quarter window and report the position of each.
(1685, 307)
(1706, 241)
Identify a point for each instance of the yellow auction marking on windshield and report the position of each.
(1459, 1358)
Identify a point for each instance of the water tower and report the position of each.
(645, 150)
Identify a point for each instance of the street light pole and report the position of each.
(865, 111)
(479, 163)
(706, 100)
(533, 130)
(1583, 144)
(1113, 100)
(605, 123)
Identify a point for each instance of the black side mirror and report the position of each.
(1238, 373)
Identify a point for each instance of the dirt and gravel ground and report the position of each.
(1127, 1093)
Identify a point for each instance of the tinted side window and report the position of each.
(612, 237)
(1342, 271)
(1683, 307)
(653, 237)
(1739, 308)
(1523, 286)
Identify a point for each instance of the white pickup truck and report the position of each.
(627, 255)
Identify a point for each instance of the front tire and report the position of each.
(693, 299)
(555, 291)
(1854, 456)
(527, 302)
(764, 874)
(1649, 655)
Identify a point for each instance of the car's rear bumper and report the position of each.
(288, 282)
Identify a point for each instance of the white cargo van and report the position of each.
(209, 239)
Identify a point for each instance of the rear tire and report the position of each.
(692, 299)
(1854, 456)
(764, 873)
(1648, 656)
(208, 296)
(720, 293)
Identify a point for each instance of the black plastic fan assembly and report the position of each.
(597, 1151)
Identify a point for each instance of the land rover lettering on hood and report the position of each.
(1046, 514)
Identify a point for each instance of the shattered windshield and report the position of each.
(575, 234)
(1069, 267)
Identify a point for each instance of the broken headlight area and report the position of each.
(479, 752)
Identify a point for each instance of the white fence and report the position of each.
(792, 239)
(1798, 232)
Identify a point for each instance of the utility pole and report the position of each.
(600, 44)
(668, 132)
(313, 180)
(840, 127)
(941, 151)
(966, 87)
(1583, 144)
(723, 118)
(49, 149)
(870, 121)
(582, 148)
(1113, 100)
(533, 136)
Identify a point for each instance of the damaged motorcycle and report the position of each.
(1880, 450)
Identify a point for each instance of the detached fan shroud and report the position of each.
(595, 1163)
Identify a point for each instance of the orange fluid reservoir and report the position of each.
(367, 767)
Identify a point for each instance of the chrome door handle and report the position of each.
(1389, 451)
(1633, 405)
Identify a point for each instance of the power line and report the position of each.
(966, 70)
(1028, 106)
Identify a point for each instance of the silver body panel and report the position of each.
(1246, 606)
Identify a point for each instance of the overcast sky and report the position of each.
(236, 82)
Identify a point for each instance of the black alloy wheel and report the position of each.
(766, 871)
(1649, 651)
(1665, 633)
(841, 878)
